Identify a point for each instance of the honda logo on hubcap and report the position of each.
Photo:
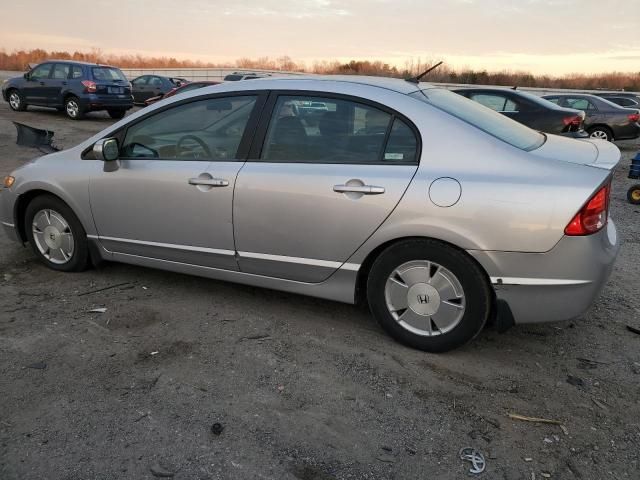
(423, 299)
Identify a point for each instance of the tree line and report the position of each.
(20, 59)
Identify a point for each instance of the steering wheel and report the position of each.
(199, 141)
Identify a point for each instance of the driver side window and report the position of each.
(209, 129)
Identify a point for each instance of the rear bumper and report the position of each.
(560, 284)
(628, 132)
(103, 102)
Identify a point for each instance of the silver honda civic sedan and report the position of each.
(438, 212)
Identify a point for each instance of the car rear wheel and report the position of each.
(117, 114)
(601, 133)
(73, 109)
(56, 235)
(428, 295)
(16, 101)
(633, 195)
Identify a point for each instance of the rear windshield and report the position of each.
(107, 73)
(484, 118)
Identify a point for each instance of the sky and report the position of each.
(541, 36)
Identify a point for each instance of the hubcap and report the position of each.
(635, 195)
(14, 100)
(600, 134)
(53, 236)
(72, 108)
(425, 298)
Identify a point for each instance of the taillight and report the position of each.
(593, 216)
(575, 120)
(634, 117)
(89, 86)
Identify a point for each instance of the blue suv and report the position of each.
(73, 87)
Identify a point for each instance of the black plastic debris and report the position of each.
(35, 138)
(38, 366)
(217, 428)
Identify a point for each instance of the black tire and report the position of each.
(477, 293)
(601, 131)
(14, 96)
(73, 109)
(117, 114)
(79, 259)
(633, 194)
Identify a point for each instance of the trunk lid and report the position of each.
(587, 151)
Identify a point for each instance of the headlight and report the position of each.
(9, 181)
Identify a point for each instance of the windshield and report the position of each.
(484, 118)
(107, 73)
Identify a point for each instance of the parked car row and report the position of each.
(79, 87)
(574, 115)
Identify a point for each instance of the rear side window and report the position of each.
(107, 73)
(580, 104)
(499, 103)
(76, 71)
(328, 130)
(61, 71)
(209, 129)
(485, 119)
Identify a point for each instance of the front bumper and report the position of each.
(7, 222)
(560, 284)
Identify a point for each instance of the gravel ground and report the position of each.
(304, 388)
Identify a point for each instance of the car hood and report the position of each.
(586, 151)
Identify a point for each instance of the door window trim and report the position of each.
(245, 141)
(257, 147)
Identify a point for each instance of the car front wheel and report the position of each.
(56, 235)
(428, 295)
(16, 101)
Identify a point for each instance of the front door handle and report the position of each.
(363, 189)
(209, 182)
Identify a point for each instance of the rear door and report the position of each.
(35, 88)
(57, 83)
(318, 186)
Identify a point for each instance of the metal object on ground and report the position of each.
(478, 463)
(35, 137)
(217, 428)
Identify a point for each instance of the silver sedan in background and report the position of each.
(436, 211)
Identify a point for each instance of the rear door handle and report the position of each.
(364, 189)
(209, 182)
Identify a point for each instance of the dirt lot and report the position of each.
(304, 388)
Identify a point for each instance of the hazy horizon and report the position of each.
(555, 37)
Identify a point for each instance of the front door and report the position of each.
(330, 172)
(57, 83)
(171, 197)
(35, 87)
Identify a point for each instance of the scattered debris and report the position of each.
(564, 429)
(478, 463)
(587, 364)
(548, 440)
(255, 337)
(7, 277)
(145, 288)
(528, 459)
(633, 329)
(217, 428)
(411, 450)
(599, 404)
(154, 353)
(575, 381)
(158, 471)
(103, 289)
(37, 366)
(386, 458)
(98, 310)
(35, 138)
(281, 388)
(545, 474)
(386, 448)
(635, 368)
(144, 415)
(524, 418)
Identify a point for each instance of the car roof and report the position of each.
(395, 84)
(75, 62)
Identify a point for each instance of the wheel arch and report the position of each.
(365, 267)
(602, 126)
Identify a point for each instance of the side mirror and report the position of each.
(106, 149)
(26, 76)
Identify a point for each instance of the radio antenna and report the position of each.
(419, 77)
